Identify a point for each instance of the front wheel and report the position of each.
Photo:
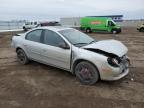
(114, 31)
(86, 73)
(21, 56)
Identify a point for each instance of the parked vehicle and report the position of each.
(30, 25)
(141, 28)
(74, 51)
(51, 23)
(99, 24)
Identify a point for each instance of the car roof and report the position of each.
(54, 28)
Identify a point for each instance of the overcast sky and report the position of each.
(55, 9)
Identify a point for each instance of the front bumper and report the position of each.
(115, 73)
(115, 77)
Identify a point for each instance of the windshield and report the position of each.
(113, 22)
(76, 37)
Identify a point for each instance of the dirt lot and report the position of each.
(39, 86)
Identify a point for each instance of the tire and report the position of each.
(86, 73)
(21, 56)
(141, 30)
(88, 30)
(114, 31)
(24, 29)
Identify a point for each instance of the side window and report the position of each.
(110, 23)
(34, 36)
(52, 38)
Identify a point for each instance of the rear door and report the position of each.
(32, 44)
(52, 53)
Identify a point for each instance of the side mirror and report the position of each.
(64, 46)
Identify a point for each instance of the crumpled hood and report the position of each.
(110, 46)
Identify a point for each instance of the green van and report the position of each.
(98, 24)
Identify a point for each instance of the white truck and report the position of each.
(30, 25)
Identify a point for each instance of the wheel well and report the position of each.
(18, 48)
(114, 29)
(88, 28)
(81, 60)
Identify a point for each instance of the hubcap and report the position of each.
(114, 32)
(85, 73)
(21, 57)
(88, 30)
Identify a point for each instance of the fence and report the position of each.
(10, 25)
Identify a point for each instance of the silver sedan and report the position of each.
(74, 51)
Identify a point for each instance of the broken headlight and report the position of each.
(113, 61)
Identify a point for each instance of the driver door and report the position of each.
(53, 54)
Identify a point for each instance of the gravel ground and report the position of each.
(39, 86)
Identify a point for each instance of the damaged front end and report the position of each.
(115, 63)
(112, 59)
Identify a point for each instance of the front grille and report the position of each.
(124, 64)
(123, 57)
(120, 59)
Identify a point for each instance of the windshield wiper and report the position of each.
(79, 43)
(92, 42)
(85, 43)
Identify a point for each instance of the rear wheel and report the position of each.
(86, 73)
(21, 56)
(88, 30)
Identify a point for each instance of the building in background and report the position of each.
(116, 18)
(70, 21)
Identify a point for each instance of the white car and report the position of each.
(74, 51)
